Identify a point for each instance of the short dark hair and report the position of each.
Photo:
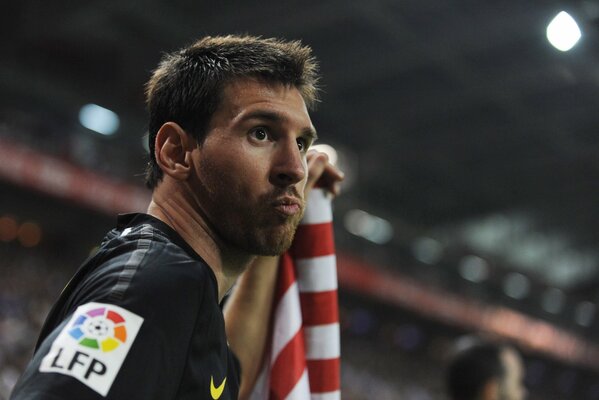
(471, 368)
(187, 86)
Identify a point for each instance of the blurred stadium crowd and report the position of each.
(29, 284)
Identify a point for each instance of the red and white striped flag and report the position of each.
(303, 361)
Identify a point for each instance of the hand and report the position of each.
(322, 173)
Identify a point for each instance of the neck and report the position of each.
(174, 205)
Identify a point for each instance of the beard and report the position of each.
(245, 219)
(254, 228)
(260, 230)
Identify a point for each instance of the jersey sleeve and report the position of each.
(126, 334)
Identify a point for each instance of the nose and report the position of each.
(289, 165)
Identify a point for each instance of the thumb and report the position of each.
(316, 167)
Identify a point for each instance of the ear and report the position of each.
(490, 390)
(172, 149)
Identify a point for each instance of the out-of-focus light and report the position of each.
(370, 227)
(145, 144)
(584, 313)
(328, 150)
(553, 300)
(30, 234)
(427, 250)
(8, 228)
(516, 286)
(474, 268)
(563, 32)
(99, 119)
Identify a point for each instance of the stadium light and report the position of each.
(99, 119)
(473, 268)
(370, 227)
(563, 32)
(427, 250)
(584, 313)
(516, 285)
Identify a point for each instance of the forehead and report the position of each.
(244, 94)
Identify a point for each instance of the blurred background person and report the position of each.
(481, 370)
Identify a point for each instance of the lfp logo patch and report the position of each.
(93, 345)
(100, 328)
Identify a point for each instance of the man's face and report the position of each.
(250, 172)
(512, 385)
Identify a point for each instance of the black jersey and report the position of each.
(139, 320)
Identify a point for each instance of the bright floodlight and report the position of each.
(99, 119)
(563, 32)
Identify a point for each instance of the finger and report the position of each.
(331, 178)
(317, 163)
(333, 172)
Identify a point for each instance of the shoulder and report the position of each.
(145, 247)
(143, 266)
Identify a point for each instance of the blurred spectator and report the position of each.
(28, 286)
(486, 371)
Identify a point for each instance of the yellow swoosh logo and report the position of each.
(216, 392)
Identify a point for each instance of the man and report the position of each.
(486, 371)
(229, 137)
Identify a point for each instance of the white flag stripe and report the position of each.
(317, 212)
(301, 390)
(317, 274)
(322, 341)
(336, 395)
(287, 320)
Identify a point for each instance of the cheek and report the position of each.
(245, 174)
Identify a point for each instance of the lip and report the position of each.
(287, 205)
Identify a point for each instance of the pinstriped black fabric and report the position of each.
(133, 263)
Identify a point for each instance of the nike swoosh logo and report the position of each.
(216, 392)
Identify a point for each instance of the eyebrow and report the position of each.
(278, 118)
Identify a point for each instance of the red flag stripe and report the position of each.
(324, 375)
(319, 308)
(313, 241)
(286, 277)
(288, 368)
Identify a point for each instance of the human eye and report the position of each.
(260, 134)
(303, 144)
